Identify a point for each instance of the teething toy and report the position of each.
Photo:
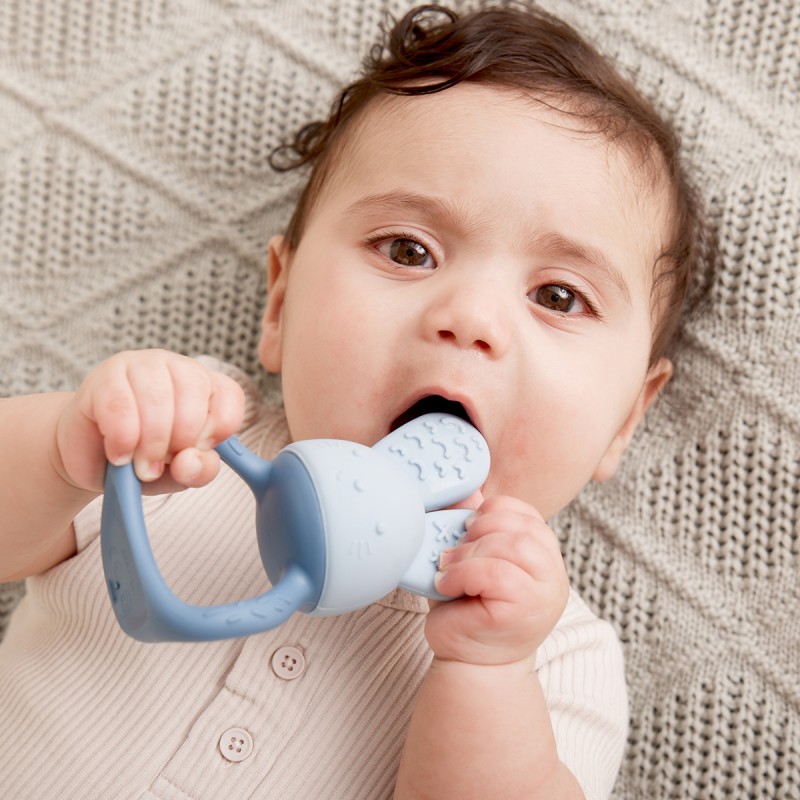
(339, 525)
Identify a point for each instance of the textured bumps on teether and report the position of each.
(448, 457)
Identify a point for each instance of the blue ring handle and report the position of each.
(145, 606)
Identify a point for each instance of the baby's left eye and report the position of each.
(558, 298)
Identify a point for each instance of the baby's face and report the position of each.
(468, 246)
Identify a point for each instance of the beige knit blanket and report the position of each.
(136, 203)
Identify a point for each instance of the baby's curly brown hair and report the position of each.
(527, 50)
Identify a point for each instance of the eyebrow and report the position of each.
(557, 244)
(393, 202)
(552, 243)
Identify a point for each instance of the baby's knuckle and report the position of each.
(114, 404)
(524, 545)
(120, 359)
(154, 393)
(192, 371)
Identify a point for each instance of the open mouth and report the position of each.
(432, 404)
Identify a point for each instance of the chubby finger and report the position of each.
(193, 467)
(509, 504)
(507, 514)
(526, 534)
(192, 388)
(226, 407)
(532, 554)
(479, 525)
(489, 578)
(155, 398)
(106, 400)
(188, 469)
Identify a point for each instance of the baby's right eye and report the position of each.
(407, 252)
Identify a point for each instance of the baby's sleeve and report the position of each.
(581, 670)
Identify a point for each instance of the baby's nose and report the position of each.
(470, 316)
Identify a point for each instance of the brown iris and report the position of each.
(408, 253)
(556, 298)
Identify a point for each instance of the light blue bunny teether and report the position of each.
(339, 526)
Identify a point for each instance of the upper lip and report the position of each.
(437, 391)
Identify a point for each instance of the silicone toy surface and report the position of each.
(339, 526)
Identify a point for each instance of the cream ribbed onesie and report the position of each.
(316, 709)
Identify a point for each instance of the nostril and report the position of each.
(479, 344)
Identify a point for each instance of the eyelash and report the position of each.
(388, 236)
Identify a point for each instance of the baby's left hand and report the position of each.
(510, 569)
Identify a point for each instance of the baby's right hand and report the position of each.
(162, 411)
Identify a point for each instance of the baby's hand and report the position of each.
(162, 411)
(510, 569)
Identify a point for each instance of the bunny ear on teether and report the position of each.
(447, 456)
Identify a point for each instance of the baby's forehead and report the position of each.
(391, 132)
(635, 155)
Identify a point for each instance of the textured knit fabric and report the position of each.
(135, 206)
(112, 717)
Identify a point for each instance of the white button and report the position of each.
(288, 662)
(236, 744)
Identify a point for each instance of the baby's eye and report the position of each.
(407, 253)
(558, 298)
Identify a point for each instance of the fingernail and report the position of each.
(437, 577)
(205, 444)
(445, 558)
(470, 519)
(148, 470)
(123, 460)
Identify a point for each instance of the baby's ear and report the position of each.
(655, 381)
(269, 349)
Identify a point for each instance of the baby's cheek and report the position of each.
(546, 467)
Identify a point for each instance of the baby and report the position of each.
(495, 224)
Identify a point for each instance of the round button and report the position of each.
(288, 662)
(236, 744)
